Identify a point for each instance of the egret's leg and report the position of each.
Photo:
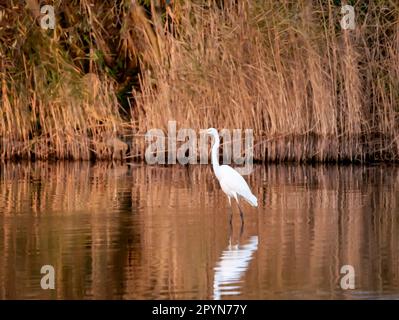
(230, 235)
(241, 213)
(242, 228)
(231, 212)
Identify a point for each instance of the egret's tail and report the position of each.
(252, 200)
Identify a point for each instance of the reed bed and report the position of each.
(311, 91)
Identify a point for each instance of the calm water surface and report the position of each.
(142, 232)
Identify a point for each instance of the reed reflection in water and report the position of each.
(142, 232)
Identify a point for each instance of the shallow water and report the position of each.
(142, 232)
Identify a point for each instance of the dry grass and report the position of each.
(310, 91)
(50, 108)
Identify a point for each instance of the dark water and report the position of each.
(113, 231)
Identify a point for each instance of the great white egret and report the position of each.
(231, 182)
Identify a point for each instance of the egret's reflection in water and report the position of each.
(231, 268)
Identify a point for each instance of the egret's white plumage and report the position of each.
(234, 185)
(231, 182)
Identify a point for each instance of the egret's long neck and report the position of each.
(215, 155)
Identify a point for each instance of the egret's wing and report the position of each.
(235, 181)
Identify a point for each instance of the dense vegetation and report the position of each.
(310, 90)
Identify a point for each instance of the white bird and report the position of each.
(231, 182)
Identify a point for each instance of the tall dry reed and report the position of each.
(310, 90)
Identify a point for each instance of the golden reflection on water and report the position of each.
(138, 232)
